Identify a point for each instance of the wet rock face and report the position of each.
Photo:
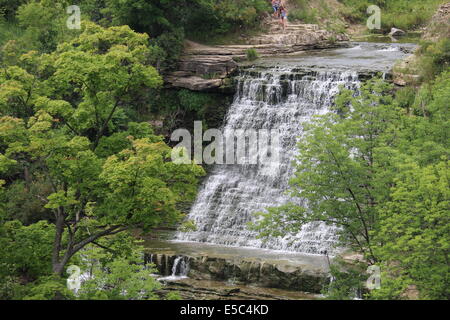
(272, 274)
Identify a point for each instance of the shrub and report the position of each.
(405, 97)
(252, 54)
(8, 8)
(403, 14)
(306, 16)
(302, 12)
(434, 58)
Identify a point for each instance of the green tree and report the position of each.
(44, 24)
(8, 8)
(25, 254)
(347, 281)
(382, 175)
(63, 119)
(116, 272)
(414, 235)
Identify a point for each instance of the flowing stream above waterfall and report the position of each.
(279, 94)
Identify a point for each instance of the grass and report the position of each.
(252, 54)
(209, 76)
(301, 11)
(321, 12)
(305, 16)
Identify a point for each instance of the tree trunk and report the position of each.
(57, 266)
(58, 269)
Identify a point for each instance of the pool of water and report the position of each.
(198, 249)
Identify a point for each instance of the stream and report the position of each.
(280, 94)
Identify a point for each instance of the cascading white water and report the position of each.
(180, 267)
(274, 98)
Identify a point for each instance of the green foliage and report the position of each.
(197, 18)
(23, 201)
(408, 15)
(117, 273)
(405, 97)
(231, 14)
(339, 171)
(252, 54)
(303, 12)
(48, 288)
(415, 229)
(381, 174)
(347, 282)
(434, 58)
(403, 14)
(173, 296)
(25, 255)
(44, 24)
(180, 108)
(171, 44)
(120, 280)
(8, 8)
(27, 248)
(68, 147)
(188, 226)
(9, 30)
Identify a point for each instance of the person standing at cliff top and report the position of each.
(283, 16)
(276, 6)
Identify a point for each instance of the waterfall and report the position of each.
(180, 267)
(272, 98)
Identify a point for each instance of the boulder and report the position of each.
(213, 66)
(201, 72)
(194, 83)
(396, 32)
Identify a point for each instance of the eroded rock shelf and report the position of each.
(208, 68)
(239, 266)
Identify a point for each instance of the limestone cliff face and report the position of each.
(202, 72)
(246, 271)
(207, 68)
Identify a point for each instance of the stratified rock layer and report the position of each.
(261, 273)
(207, 68)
